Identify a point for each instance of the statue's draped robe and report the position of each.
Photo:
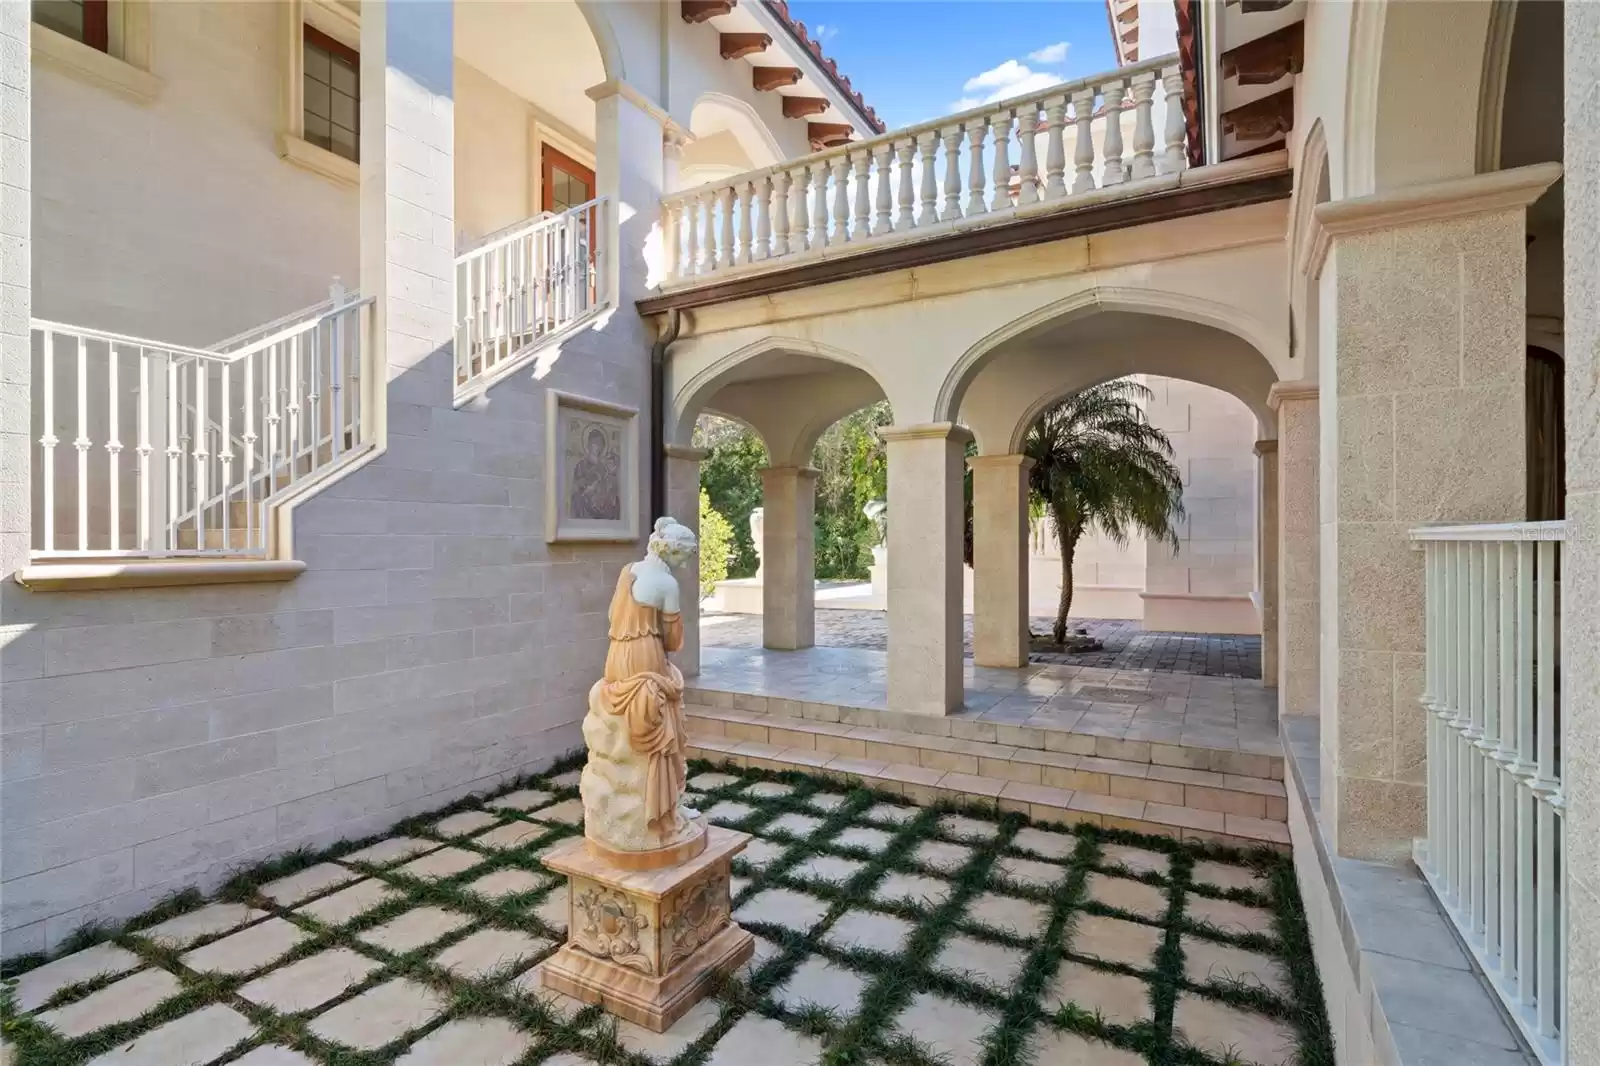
(645, 688)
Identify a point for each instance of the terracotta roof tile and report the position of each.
(781, 9)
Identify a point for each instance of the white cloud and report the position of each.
(1009, 79)
(824, 32)
(1050, 53)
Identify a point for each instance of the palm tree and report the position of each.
(1097, 461)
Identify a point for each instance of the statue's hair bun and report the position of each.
(663, 523)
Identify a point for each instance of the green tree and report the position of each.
(716, 546)
(852, 470)
(731, 475)
(1098, 462)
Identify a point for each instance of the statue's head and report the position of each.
(673, 543)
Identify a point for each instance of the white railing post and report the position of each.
(1115, 173)
(861, 222)
(1000, 195)
(781, 182)
(906, 152)
(1055, 154)
(1174, 158)
(840, 232)
(1083, 148)
(1028, 166)
(977, 130)
(882, 165)
(1144, 131)
(159, 535)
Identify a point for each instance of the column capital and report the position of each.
(926, 431)
(1480, 194)
(1284, 391)
(685, 452)
(1000, 462)
(615, 87)
(1266, 447)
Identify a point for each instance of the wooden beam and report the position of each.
(698, 11)
(1266, 59)
(1261, 119)
(828, 134)
(768, 79)
(801, 106)
(739, 45)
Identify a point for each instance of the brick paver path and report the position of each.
(1127, 645)
(886, 933)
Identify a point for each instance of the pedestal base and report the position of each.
(646, 944)
(652, 1002)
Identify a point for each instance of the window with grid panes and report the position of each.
(332, 95)
(82, 20)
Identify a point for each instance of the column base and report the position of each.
(647, 943)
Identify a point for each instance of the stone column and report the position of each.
(788, 557)
(925, 527)
(1297, 553)
(1000, 559)
(1267, 556)
(683, 503)
(1580, 562)
(632, 175)
(1423, 318)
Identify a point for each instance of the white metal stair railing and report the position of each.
(529, 284)
(1495, 852)
(217, 434)
(952, 174)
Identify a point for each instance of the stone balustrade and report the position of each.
(1030, 154)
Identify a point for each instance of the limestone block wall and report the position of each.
(153, 740)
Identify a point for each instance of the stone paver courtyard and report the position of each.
(1128, 646)
(888, 935)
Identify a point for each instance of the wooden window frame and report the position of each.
(332, 45)
(97, 25)
(549, 157)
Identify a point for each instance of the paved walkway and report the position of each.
(1229, 714)
(885, 933)
(1127, 645)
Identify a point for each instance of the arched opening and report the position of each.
(729, 138)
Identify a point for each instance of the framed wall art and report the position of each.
(591, 470)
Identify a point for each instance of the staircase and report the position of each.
(526, 287)
(1056, 775)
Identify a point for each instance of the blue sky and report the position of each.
(915, 60)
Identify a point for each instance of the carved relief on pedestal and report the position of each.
(609, 924)
(693, 916)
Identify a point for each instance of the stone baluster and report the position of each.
(1144, 132)
(725, 258)
(952, 174)
(1173, 157)
(800, 232)
(1028, 167)
(841, 200)
(882, 160)
(708, 247)
(747, 210)
(1115, 172)
(861, 163)
(691, 233)
(819, 205)
(780, 214)
(905, 152)
(977, 129)
(669, 239)
(1000, 195)
(928, 150)
(1083, 153)
(1055, 150)
(764, 187)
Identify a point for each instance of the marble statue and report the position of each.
(633, 783)
(758, 538)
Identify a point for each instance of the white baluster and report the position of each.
(1028, 165)
(114, 447)
(746, 197)
(48, 441)
(952, 174)
(1000, 195)
(819, 205)
(142, 450)
(225, 454)
(841, 200)
(781, 182)
(904, 154)
(708, 237)
(1055, 150)
(763, 210)
(1115, 172)
(669, 239)
(1174, 157)
(927, 149)
(725, 250)
(977, 129)
(861, 165)
(1083, 150)
(801, 239)
(690, 264)
(82, 444)
(336, 338)
(1144, 131)
(882, 163)
(201, 452)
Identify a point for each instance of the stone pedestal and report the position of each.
(645, 944)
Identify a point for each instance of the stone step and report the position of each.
(1044, 802)
(1257, 757)
(1243, 795)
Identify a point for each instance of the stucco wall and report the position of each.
(158, 739)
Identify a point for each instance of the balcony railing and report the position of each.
(213, 435)
(529, 283)
(963, 171)
(1495, 850)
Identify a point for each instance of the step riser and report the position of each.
(1037, 802)
(1245, 764)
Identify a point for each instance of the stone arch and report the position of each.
(716, 115)
(1089, 301)
(605, 38)
(1313, 186)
